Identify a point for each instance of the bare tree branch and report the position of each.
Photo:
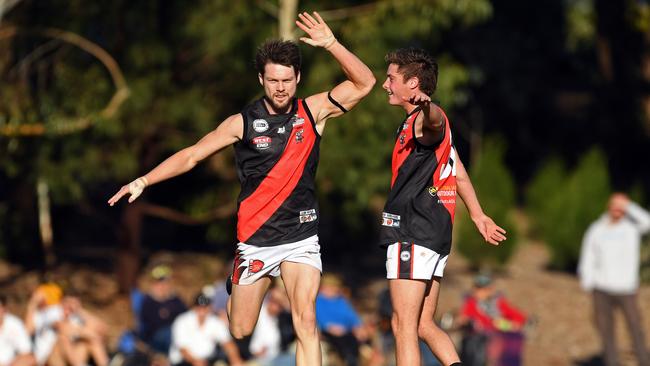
(170, 214)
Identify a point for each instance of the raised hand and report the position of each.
(134, 188)
(320, 35)
(491, 232)
(418, 98)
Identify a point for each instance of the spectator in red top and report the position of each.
(491, 318)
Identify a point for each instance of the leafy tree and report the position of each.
(495, 188)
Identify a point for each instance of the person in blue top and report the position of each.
(339, 323)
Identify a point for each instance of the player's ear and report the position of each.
(413, 82)
(261, 78)
(298, 77)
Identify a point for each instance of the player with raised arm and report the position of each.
(419, 212)
(276, 140)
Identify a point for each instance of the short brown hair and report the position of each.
(416, 62)
(285, 53)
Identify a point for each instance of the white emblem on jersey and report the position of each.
(298, 121)
(390, 220)
(405, 255)
(260, 125)
(450, 168)
(308, 216)
(281, 129)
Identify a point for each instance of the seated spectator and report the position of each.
(337, 320)
(15, 345)
(158, 310)
(44, 312)
(198, 336)
(494, 325)
(81, 335)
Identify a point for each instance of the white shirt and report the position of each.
(609, 258)
(266, 336)
(45, 335)
(14, 340)
(199, 340)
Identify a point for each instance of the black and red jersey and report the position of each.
(277, 159)
(422, 200)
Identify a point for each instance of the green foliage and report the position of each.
(495, 189)
(563, 204)
(580, 23)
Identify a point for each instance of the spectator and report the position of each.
(339, 323)
(495, 326)
(43, 315)
(609, 268)
(15, 345)
(159, 308)
(81, 335)
(198, 336)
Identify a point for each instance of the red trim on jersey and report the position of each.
(280, 181)
(401, 151)
(446, 156)
(399, 259)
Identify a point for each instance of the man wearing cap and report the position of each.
(197, 335)
(160, 307)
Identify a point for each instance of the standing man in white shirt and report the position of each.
(196, 335)
(609, 268)
(15, 345)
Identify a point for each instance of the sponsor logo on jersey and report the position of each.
(402, 138)
(281, 129)
(432, 191)
(255, 265)
(300, 135)
(298, 121)
(260, 125)
(390, 220)
(405, 255)
(308, 216)
(262, 142)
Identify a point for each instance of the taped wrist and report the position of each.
(137, 186)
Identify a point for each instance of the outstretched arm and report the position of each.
(360, 79)
(490, 231)
(227, 133)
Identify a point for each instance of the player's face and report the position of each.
(396, 86)
(279, 84)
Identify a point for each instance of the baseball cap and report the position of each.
(202, 300)
(161, 272)
(482, 280)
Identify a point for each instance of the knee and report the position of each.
(426, 327)
(239, 331)
(305, 320)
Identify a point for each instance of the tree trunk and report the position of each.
(287, 14)
(45, 222)
(129, 247)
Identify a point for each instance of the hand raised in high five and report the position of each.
(320, 35)
(134, 188)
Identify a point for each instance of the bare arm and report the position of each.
(360, 79)
(490, 231)
(227, 133)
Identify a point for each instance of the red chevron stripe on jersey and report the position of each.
(404, 145)
(280, 181)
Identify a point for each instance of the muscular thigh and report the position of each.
(407, 296)
(246, 302)
(301, 282)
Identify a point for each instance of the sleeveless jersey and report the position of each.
(422, 200)
(276, 160)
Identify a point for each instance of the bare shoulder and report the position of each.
(316, 103)
(233, 125)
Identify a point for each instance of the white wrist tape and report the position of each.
(136, 187)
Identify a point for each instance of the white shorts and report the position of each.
(415, 262)
(253, 262)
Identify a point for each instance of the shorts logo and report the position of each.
(262, 142)
(432, 191)
(308, 216)
(405, 255)
(260, 125)
(255, 265)
(390, 220)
